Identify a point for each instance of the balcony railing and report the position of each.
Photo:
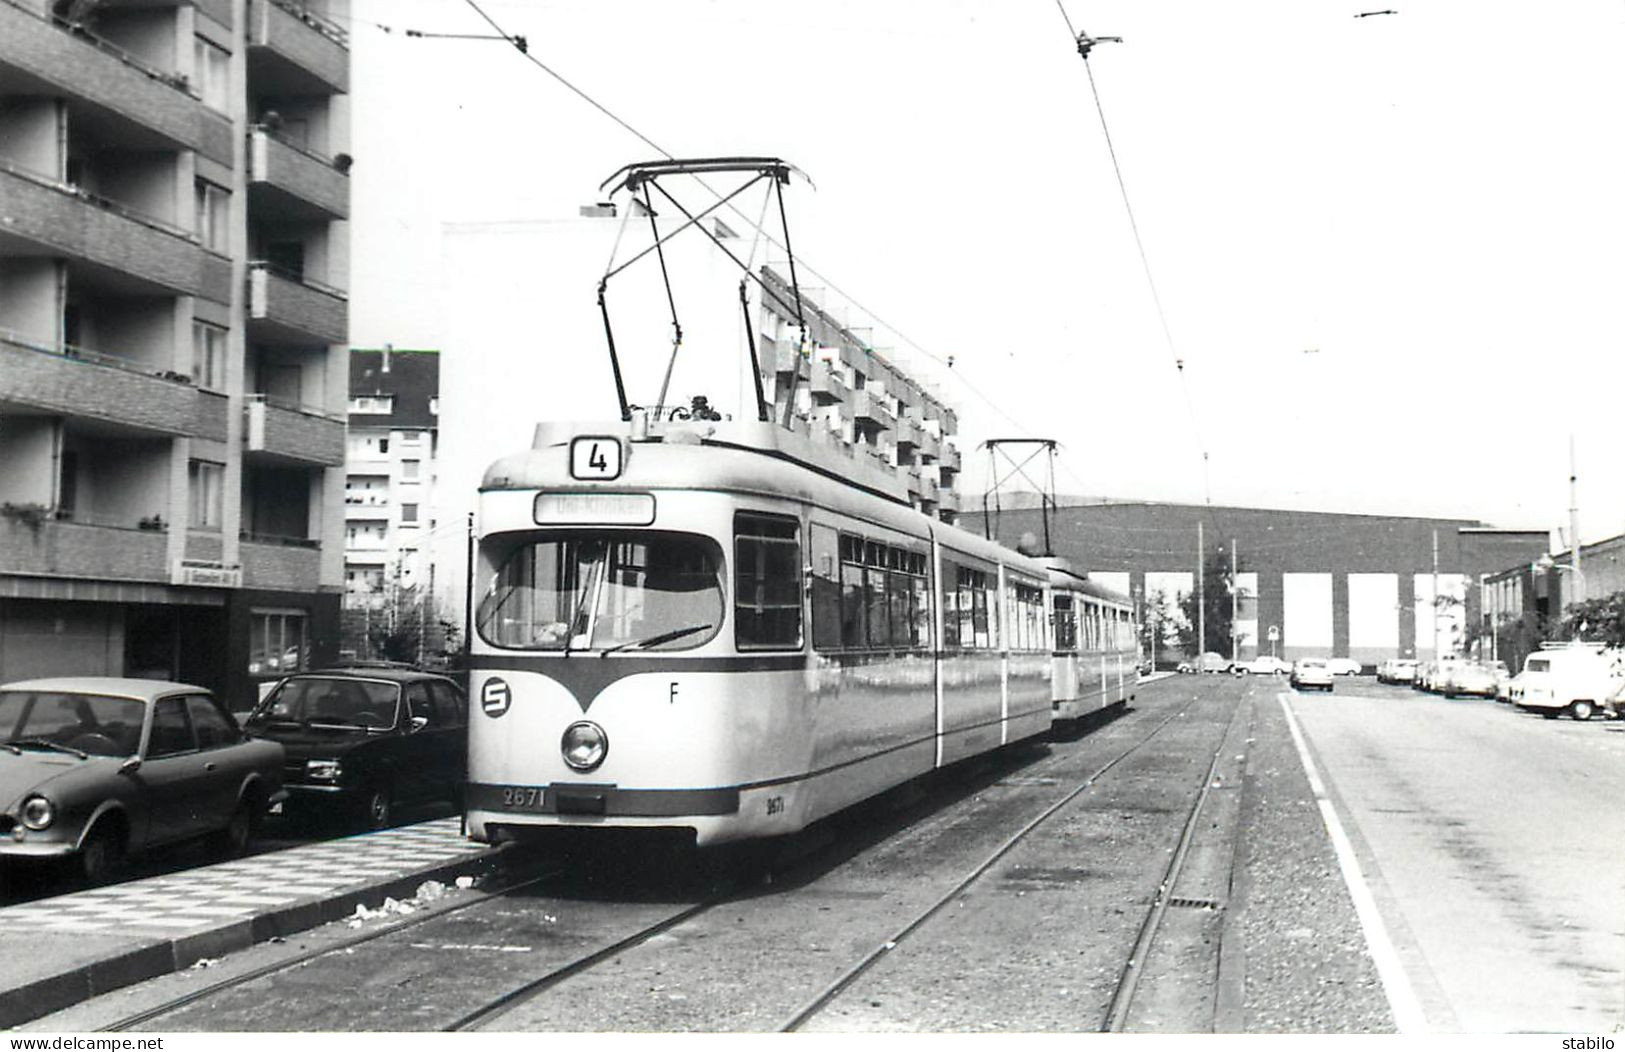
(304, 307)
(106, 204)
(309, 53)
(279, 539)
(75, 382)
(61, 547)
(297, 432)
(79, 31)
(331, 30)
(70, 222)
(314, 184)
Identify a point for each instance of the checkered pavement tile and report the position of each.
(203, 897)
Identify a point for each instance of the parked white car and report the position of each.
(1576, 678)
(1262, 665)
(1397, 670)
(1343, 666)
(1311, 672)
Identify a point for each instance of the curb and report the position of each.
(161, 956)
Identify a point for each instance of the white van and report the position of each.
(1577, 678)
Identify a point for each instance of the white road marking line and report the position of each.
(1402, 1001)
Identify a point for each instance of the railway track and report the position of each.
(606, 944)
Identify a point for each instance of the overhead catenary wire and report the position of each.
(1085, 44)
(766, 235)
(522, 46)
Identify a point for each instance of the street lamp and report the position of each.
(1546, 564)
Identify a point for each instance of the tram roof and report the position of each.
(749, 458)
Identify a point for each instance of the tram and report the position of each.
(1097, 662)
(713, 629)
(724, 628)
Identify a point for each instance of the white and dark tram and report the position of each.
(710, 626)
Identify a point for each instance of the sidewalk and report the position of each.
(61, 951)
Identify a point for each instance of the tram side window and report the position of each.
(853, 604)
(874, 594)
(885, 599)
(1066, 624)
(767, 582)
(826, 588)
(971, 611)
(919, 605)
(1026, 617)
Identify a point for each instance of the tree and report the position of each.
(403, 626)
(1600, 620)
(1217, 587)
(1155, 620)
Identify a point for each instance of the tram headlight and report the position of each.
(38, 813)
(584, 745)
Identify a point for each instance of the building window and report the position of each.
(373, 404)
(213, 72)
(205, 484)
(409, 514)
(276, 642)
(213, 217)
(383, 445)
(409, 469)
(208, 355)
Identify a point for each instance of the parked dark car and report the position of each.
(362, 740)
(96, 768)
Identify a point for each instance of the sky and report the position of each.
(1387, 250)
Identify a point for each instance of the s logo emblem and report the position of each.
(495, 697)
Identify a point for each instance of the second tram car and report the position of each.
(1096, 663)
(715, 629)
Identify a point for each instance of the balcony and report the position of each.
(292, 433)
(907, 436)
(870, 410)
(950, 459)
(785, 358)
(83, 384)
(56, 60)
(287, 564)
(289, 309)
(287, 182)
(294, 51)
(74, 549)
(51, 218)
(827, 386)
(947, 500)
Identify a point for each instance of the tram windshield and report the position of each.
(629, 592)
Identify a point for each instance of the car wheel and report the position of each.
(101, 856)
(377, 807)
(1581, 710)
(232, 840)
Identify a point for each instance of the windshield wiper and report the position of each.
(654, 641)
(46, 743)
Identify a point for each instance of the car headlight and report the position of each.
(584, 745)
(38, 813)
(323, 770)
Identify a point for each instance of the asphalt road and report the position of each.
(1493, 842)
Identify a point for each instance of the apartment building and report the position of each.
(390, 465)
(851, 399)
(173, 250)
